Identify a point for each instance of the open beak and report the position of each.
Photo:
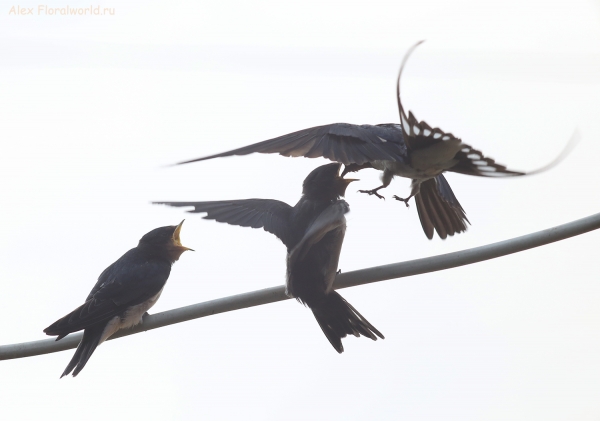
(177, 240)
(345, 180)
(343, 184)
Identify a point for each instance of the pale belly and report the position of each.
(402, 170)
(424, 163)
(131, 318)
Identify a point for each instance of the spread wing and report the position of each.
(439, 209)
(473, 162)
(271, 215)
(418, 135)
(127, 282)
(339, 142)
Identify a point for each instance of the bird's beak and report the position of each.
(343, 184)
(177, 240)
(345, 180)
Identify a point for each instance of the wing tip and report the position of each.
(192, 160)
(399, 101)
(174, 204)
(570, 146)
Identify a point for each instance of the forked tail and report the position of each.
(439, 209)
(87, 346)
(338, 318)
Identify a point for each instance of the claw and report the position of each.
(372, 192)
(402, 200)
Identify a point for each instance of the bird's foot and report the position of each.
(372, 192)
(144, 316)
(402, 200)
(339, 271)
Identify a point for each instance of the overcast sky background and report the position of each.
(93, 108)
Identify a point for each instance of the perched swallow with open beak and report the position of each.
(125, 291)
(415, 150)
(313, 231)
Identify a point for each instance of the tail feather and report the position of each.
(439, 209)
(338, 319)
(87, 346)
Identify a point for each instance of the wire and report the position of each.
(344, 280)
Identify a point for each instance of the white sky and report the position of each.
(92, 108)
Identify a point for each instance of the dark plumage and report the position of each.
(313, 231)
(340, 142)
(411, 149)
(124, 292)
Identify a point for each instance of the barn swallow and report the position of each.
(125, 291)
(313, 231)
(415, 150)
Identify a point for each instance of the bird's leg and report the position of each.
(403, 200)
(386, 179)
(415, 187)
(146, 314)
(374, 192)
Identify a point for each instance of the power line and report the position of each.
(344, 280)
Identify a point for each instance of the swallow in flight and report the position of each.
(411, 149)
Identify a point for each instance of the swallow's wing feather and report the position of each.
(339, 142)
(271, 215)
(102, 280)
(418, 135)
(331, 222)
(130, 281)
(473, 162)
(331, 218)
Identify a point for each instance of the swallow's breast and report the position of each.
(132, 316)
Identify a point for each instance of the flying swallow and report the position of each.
(125, 291)
(416, 151)
(313, 231)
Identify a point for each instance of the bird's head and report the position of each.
(165, 241)
(325, 183)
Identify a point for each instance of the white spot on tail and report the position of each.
(497, 174)
(406, 125)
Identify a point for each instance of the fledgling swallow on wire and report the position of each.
(313, 231)
(411, 149)
(125, 291)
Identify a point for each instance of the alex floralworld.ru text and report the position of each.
(45, 10)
